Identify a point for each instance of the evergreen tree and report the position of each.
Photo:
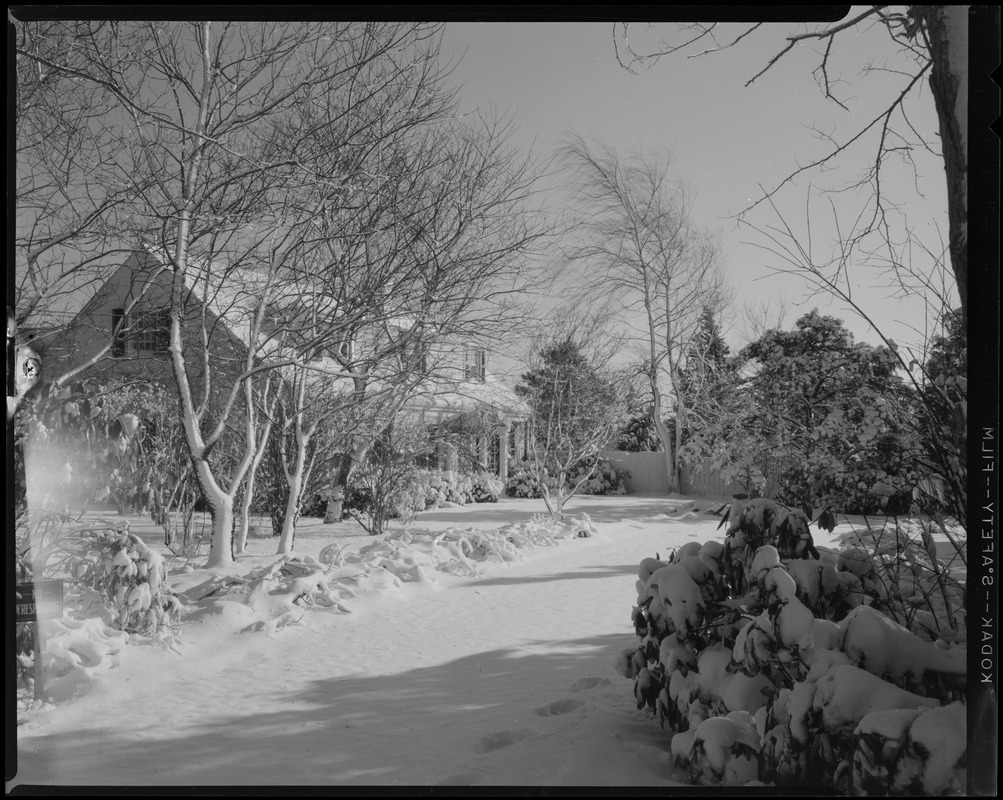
(707, 381)
(569, 394)
(837, 412)
(576, 410)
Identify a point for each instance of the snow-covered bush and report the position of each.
(422, 490)
(523, 483)
(901, 572)
(107, 563)
(114, 587)
(777, 662)
(606, 479)
(486, 488)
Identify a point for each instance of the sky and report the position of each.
(726, 140)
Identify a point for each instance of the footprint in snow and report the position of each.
(589, 683)
(498, 740)
(462, 779)
(559, 707)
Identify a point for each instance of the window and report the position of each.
(475, 361)
(118, 326)
(494, 455)
(153, 336)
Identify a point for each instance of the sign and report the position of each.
(39, 600)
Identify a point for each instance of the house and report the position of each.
(480, 407)
(124, 327)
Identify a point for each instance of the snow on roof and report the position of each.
(233, 299)
(443, 399)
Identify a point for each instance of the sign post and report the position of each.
(37, 601)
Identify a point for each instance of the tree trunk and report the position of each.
(244, 514)
(664, 436)
(678, 447)
(340, 492)
(288, 536)
(947, 27)
(556, 511)
(335, 505)
(220, 551)
(295, 479)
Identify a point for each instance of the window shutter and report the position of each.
(118, 324)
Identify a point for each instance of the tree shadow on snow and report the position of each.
(600, 508)
(423, 726)
(588, 572)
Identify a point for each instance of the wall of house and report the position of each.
(91, 330)
(143, 287)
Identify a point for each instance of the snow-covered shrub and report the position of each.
(129, 576)
(422, 489)
(775, 661)
(105, 562)
(725, 751)
(522, 482)
(439, 487)
(605, 480)
(486, 488)
(904, 576)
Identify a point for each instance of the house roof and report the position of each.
(441, 400)
(232, 297)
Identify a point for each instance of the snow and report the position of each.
(439, 655)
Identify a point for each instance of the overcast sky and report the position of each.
(726, 139)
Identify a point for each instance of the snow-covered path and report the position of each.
(506, 679)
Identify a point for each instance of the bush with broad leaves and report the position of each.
(104, 561)
(775, 661)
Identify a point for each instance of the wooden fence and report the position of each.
(648, 475)
(704, 481)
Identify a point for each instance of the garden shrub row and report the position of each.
(425, 490)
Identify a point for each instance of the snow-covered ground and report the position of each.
(503, 678)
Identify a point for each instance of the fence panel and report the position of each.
(648, 474)
(705, 481)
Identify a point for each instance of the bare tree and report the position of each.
(74, 189)
(639, 244)
(764, 315)
(431, 253)
(197, 104)
(931, 42)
